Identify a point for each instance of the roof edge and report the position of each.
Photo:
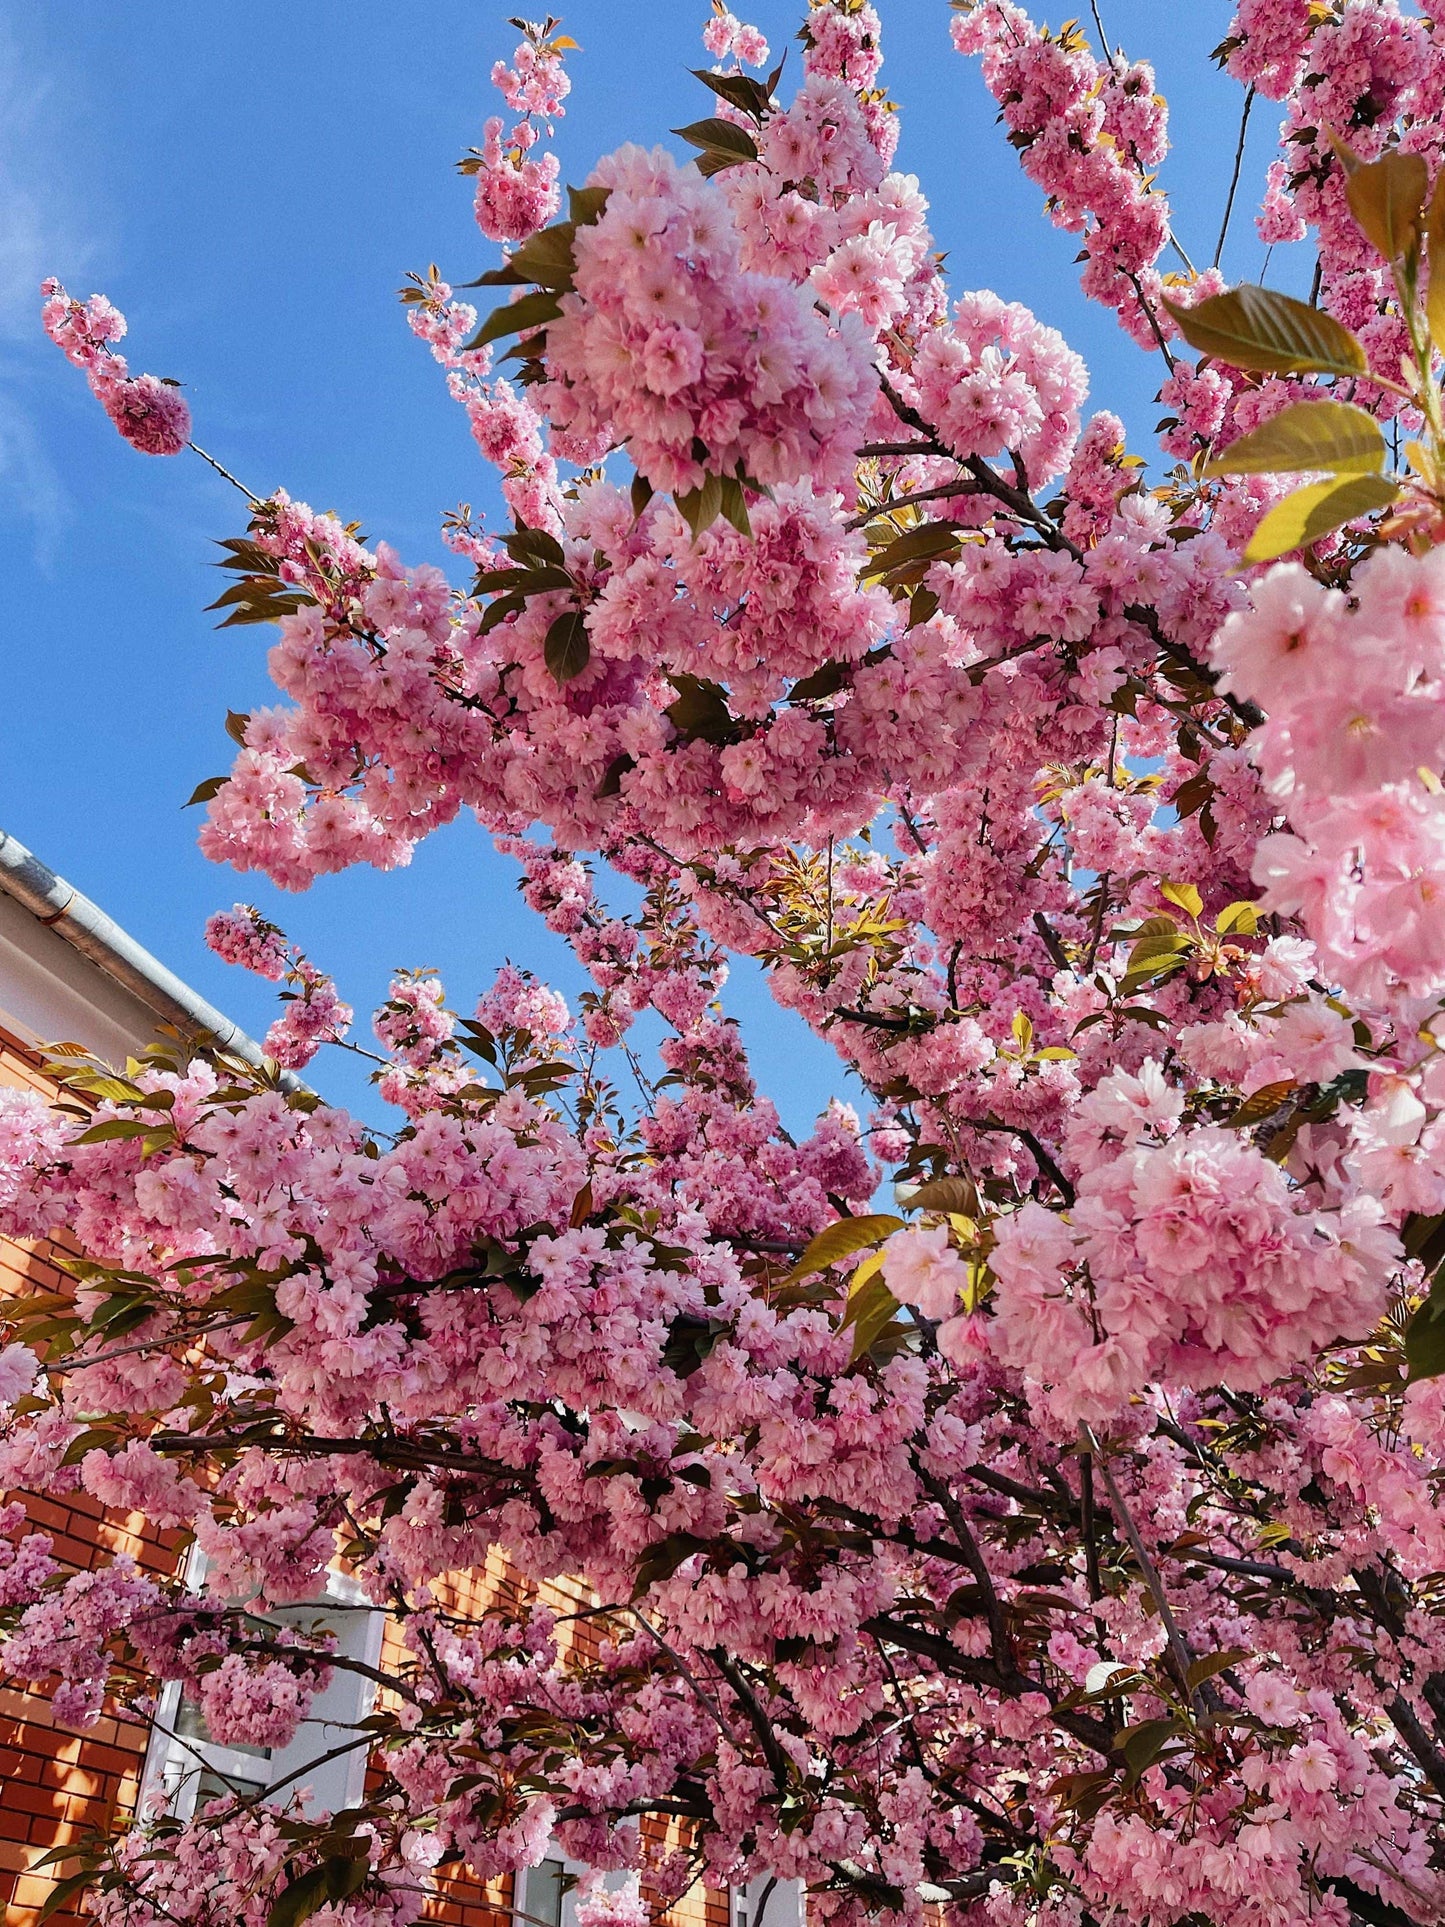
(87, 929)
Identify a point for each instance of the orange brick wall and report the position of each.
(55, 1784)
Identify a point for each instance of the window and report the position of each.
(766, 1902)
(541, 1890)
(192, 1768)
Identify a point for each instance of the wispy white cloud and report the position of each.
(41, 229)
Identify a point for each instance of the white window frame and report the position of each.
(612, 1882)
(174, 1763)
(786, 1904)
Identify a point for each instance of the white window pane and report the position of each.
(542, 1895)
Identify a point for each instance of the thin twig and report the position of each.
(1086, 1509)
(964, 486)
(1042, 1158)
(1178, 247)
(702, 1699)
(1178, 1646)
(1234, 177)
(1105, 48)
(1152, 319)
(250, 495)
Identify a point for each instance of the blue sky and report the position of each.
(249, 183)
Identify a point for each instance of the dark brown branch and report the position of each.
(1042, 1157)
(983, 1672)
(1427, 1756)
(1148, 619)
(779, 1764)
(993, 1611)
(876, 1019)
(941, 493)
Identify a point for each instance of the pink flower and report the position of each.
(151, 414)
(921, 1268)
(19, 1368)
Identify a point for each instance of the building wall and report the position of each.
(56, 1784)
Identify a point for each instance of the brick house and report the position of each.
(68, 973)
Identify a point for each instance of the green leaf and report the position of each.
(929, 541)
(1212, 1663)
(300, 1900)
(611, 784)
(113, 1127)
(1435, 257)
(1385, 197)
(1183, 894)
(1141, 1745)
(841, 1240)
(110, 1090)
(345, 1874)
(739, 90)
(701, 711)
(517, 317)
(689, 1342)
(871, 1309)
(1313, 511)
(585, 204)
(1169, 943)
(1333, 435)
(1261, 1104)
(823, 681)
(947, 1194)
(662, 1561)
(64, 1891)
(1082, 1793)
(547, 258)
(536, 546)
(567, 650)
(1238, 919)
(1425, 1335)
(723, 144)
(735, 505)
(1257, 329)
(700, 507)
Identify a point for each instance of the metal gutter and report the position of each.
(86, 928)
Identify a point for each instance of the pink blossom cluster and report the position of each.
(843, 40)
(314, 1013)
(252, 1705)
(1065, 1542)
(1355, 733)
(775, 395)
(517, 189)
(1368, 73)
(1091, 133)
(314, 1016)
(725, 36)
(517, 1001)
(151, 414)
(1187, 1258)
(1267, 43)
(243, 936)
(997, 380)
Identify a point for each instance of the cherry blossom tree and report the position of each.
(1066, 1543)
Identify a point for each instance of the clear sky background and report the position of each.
(249, 183)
